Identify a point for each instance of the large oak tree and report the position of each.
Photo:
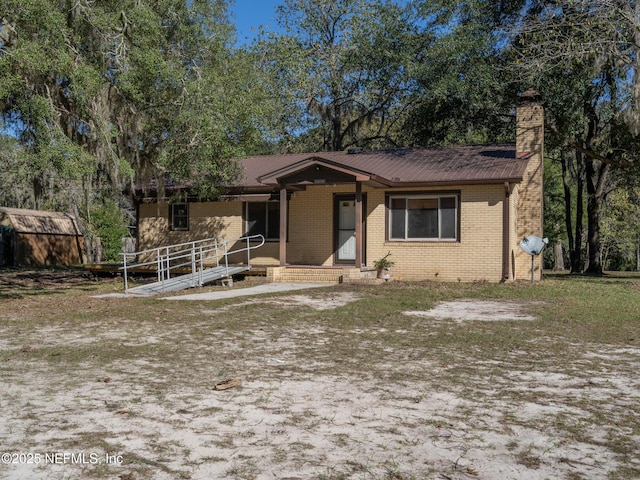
(103, 92)
(340, 72)
(584, 56)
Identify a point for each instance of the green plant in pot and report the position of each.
(383, 266)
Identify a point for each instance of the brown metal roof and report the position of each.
(38, 221)
(477, 164)
(446, 166)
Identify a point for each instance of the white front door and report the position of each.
(346, 231)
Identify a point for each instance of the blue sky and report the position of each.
(251, 13)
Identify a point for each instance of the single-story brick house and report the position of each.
(451, 213)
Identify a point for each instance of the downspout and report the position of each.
(506, 225)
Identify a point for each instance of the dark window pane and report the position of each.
(422, 216)
(273, 221)
(448, 218)
(398, 217)
(256, 218)
(180, 223)
(263, 218)
(179, 217)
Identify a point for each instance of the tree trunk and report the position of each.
(595, 187)
(576, 254)
(558, 258)
(567, 207)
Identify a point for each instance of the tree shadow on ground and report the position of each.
(604, 278)
(19, 283)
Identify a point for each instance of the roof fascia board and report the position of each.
(452, 183)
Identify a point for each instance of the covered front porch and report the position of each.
(322, 220)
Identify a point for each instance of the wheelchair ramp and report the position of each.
(195, 256)
(183, 282)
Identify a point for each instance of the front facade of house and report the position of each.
(450, 214)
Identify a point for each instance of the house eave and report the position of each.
(451, 183)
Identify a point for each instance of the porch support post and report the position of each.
(283, 225)
(359, 217)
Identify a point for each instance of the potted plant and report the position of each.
(383, 266)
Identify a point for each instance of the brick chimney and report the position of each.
(529, 124)
(530, 148)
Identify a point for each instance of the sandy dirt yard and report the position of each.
(465, 389)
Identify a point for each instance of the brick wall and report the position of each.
(206, 220)
(311, 225)
(476, 256)
(529, 140)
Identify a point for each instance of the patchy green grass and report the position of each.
(357, 391)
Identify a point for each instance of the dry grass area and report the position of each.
(396, 381)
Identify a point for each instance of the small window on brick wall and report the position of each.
(179, 216)
(263, 218)
(422, 217)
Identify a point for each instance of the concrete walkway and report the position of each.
(242, 292)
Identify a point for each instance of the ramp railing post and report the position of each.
(226, 258)
(193, 264)
(200, 278)
(168, 263)
(248, 254)
(124, 266)
(159, 267)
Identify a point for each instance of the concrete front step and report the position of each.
(307, 275)
(329, 275)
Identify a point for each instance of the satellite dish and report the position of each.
(533, 245)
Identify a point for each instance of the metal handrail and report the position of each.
(194, 253)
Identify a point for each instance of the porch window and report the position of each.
(263, 218)
(423, 217)
(179, 216)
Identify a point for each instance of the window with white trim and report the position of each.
(179, 216)
(263, 218)
(423, 217)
